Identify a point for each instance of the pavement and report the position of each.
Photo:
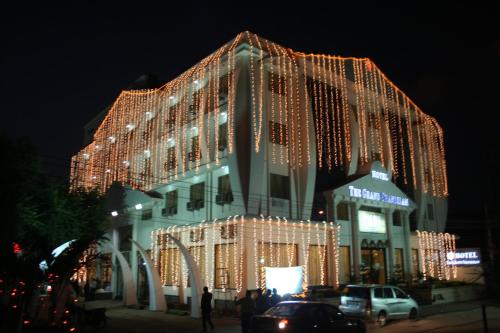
(451, 317)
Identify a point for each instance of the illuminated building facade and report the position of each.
(238, 153)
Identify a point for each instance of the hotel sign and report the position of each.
(378, 196)
(464, 257)
(380, 175)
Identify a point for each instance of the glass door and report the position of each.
(373, 265)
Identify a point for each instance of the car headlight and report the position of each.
(282, 324)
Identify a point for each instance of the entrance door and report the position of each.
(373, 265)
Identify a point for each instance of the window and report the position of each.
(224, 193)
(277, 84)
(195, 153)
(277, 133)
(343, 211)
(378, 293)
(147, 214)
(224, 275)
(222, 143)
(398, 265)
(344, 264)
(430, 212)
(169, 260)
(415, 261)
(170, 203)
(224, 84)
(396, 218)
(316, 253)
(224, 185)
(170, 121)
(198, 253)
(197, 196)
(171, 159)
(280, 186)
(399, 293)
(388, 293)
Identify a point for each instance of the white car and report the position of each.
(378, 302)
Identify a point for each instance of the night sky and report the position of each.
(63, 65)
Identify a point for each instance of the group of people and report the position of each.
(249, 306)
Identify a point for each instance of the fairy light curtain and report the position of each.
(220, 251)
(433, 248)
(147, 136)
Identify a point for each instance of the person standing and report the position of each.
(206, 309)
(275, 298)
(246, 311)
(261, 304)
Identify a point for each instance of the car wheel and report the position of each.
(382, 319)
(413, 314)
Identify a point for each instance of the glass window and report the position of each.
(316, 265)
(396, 218)
(388, 293)
(222, 140)
(224, 274)
(280, 186)
(278, 133)
(171, 159)
(344, 264)
(171, 199)
(399, 293)
(197, 194)
(415, 262)
(147, 214)
(358, 292)
(379, 293)
(343, 211)
(224, 185)
(277, 84)
(398, 265)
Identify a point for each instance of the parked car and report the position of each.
(324, 294)
(305, 316)
(378, 302)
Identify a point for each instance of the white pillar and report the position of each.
(390, 249)
(407, 247)
(129, 289)
(356, 240)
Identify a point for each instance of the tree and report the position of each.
(39, 214)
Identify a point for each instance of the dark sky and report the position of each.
(63, 65)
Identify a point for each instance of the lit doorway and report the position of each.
(373, 265)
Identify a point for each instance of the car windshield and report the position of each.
(283, 310)
(358, 292)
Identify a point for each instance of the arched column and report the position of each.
(194, 276)
(156, 297)
(130, 291)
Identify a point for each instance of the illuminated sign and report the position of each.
(286, 280)
(378, 196)
(380, 175)
(371, 222)
(464, 257)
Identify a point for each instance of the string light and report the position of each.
(138, 120)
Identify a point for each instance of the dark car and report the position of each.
(305, 316)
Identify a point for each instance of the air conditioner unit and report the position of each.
(190, 206)
(164, 211)
(172, 210)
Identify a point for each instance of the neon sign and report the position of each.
(378, 196)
